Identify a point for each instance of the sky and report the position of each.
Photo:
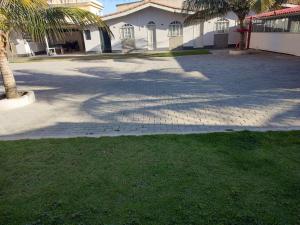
(110, 5)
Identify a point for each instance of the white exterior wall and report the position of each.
(288, 43)
(140, 20)
(195, 36)
(192, 35)
(23, 47)
(93, 45)
(29, 48)
(209, 28)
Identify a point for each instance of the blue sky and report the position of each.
(110, 5)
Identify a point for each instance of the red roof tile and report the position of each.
(280, 12)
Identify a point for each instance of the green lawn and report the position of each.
(111, 56)
(180, 53)
(242, 178)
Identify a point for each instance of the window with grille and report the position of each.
(284, 24)
(222, 26)
(87, 34)
(277, 25)
(295, 24)
(175, 29)
(151, 23)
(127, 32)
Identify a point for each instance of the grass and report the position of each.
(112, 56)
(239, 178)
(180, 53)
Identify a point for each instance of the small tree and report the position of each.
(38, 19)
(208, 9)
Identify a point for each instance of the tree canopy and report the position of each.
(37, 18)
(208, 9)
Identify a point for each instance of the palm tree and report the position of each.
(36, 18)
(208, 9)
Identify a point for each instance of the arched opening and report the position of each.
(175, 29)
(222, 26)
(151, 35)
(127, 32)
(105, 41)
(127, 37)
(175, 35)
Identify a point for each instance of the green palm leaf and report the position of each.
(208, 9)
(36, 18)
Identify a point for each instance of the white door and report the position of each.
(151, 36)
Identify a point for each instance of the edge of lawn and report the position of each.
(155, 135)
(112, 56)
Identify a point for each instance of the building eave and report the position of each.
(80, 4)
(142, 6)
(277, 13)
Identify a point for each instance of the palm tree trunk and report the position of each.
(242, 34)
(6, 73)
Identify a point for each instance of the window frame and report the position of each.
(87, 35)
(281, 24)
(175, 29)
(296, 19)
(127, 32)
(221, 26)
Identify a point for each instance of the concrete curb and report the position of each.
(239, 52)
(8, 104)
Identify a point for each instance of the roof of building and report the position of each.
(128, 3)
(72, 2)
(141, 5)
(280, 12)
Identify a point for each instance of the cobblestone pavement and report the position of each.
(187, 94)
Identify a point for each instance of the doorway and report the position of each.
(105, 41)
(151, 35)
(175, 35)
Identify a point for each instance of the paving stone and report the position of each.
(188, 94)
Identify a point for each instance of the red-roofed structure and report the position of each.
(277, 31)
(280, 12)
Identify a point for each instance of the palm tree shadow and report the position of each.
(170, 98)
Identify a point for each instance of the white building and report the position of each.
(141, 25)
(93, 6)
(277, 31)
(159, 25)
(77, 40)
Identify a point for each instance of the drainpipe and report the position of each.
(249, 32)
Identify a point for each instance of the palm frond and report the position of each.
(22, 14)
(3, 3)
(59, 19)
(262, 5)
(35, 17)
(208, 9)
(277, 4)
(266, 5)
(205, 9)
(196, 5)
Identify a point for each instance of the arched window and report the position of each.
(151, 23)
(222, 26)
(175, 29)
(127, 32)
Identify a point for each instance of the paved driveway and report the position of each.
(160, 95)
